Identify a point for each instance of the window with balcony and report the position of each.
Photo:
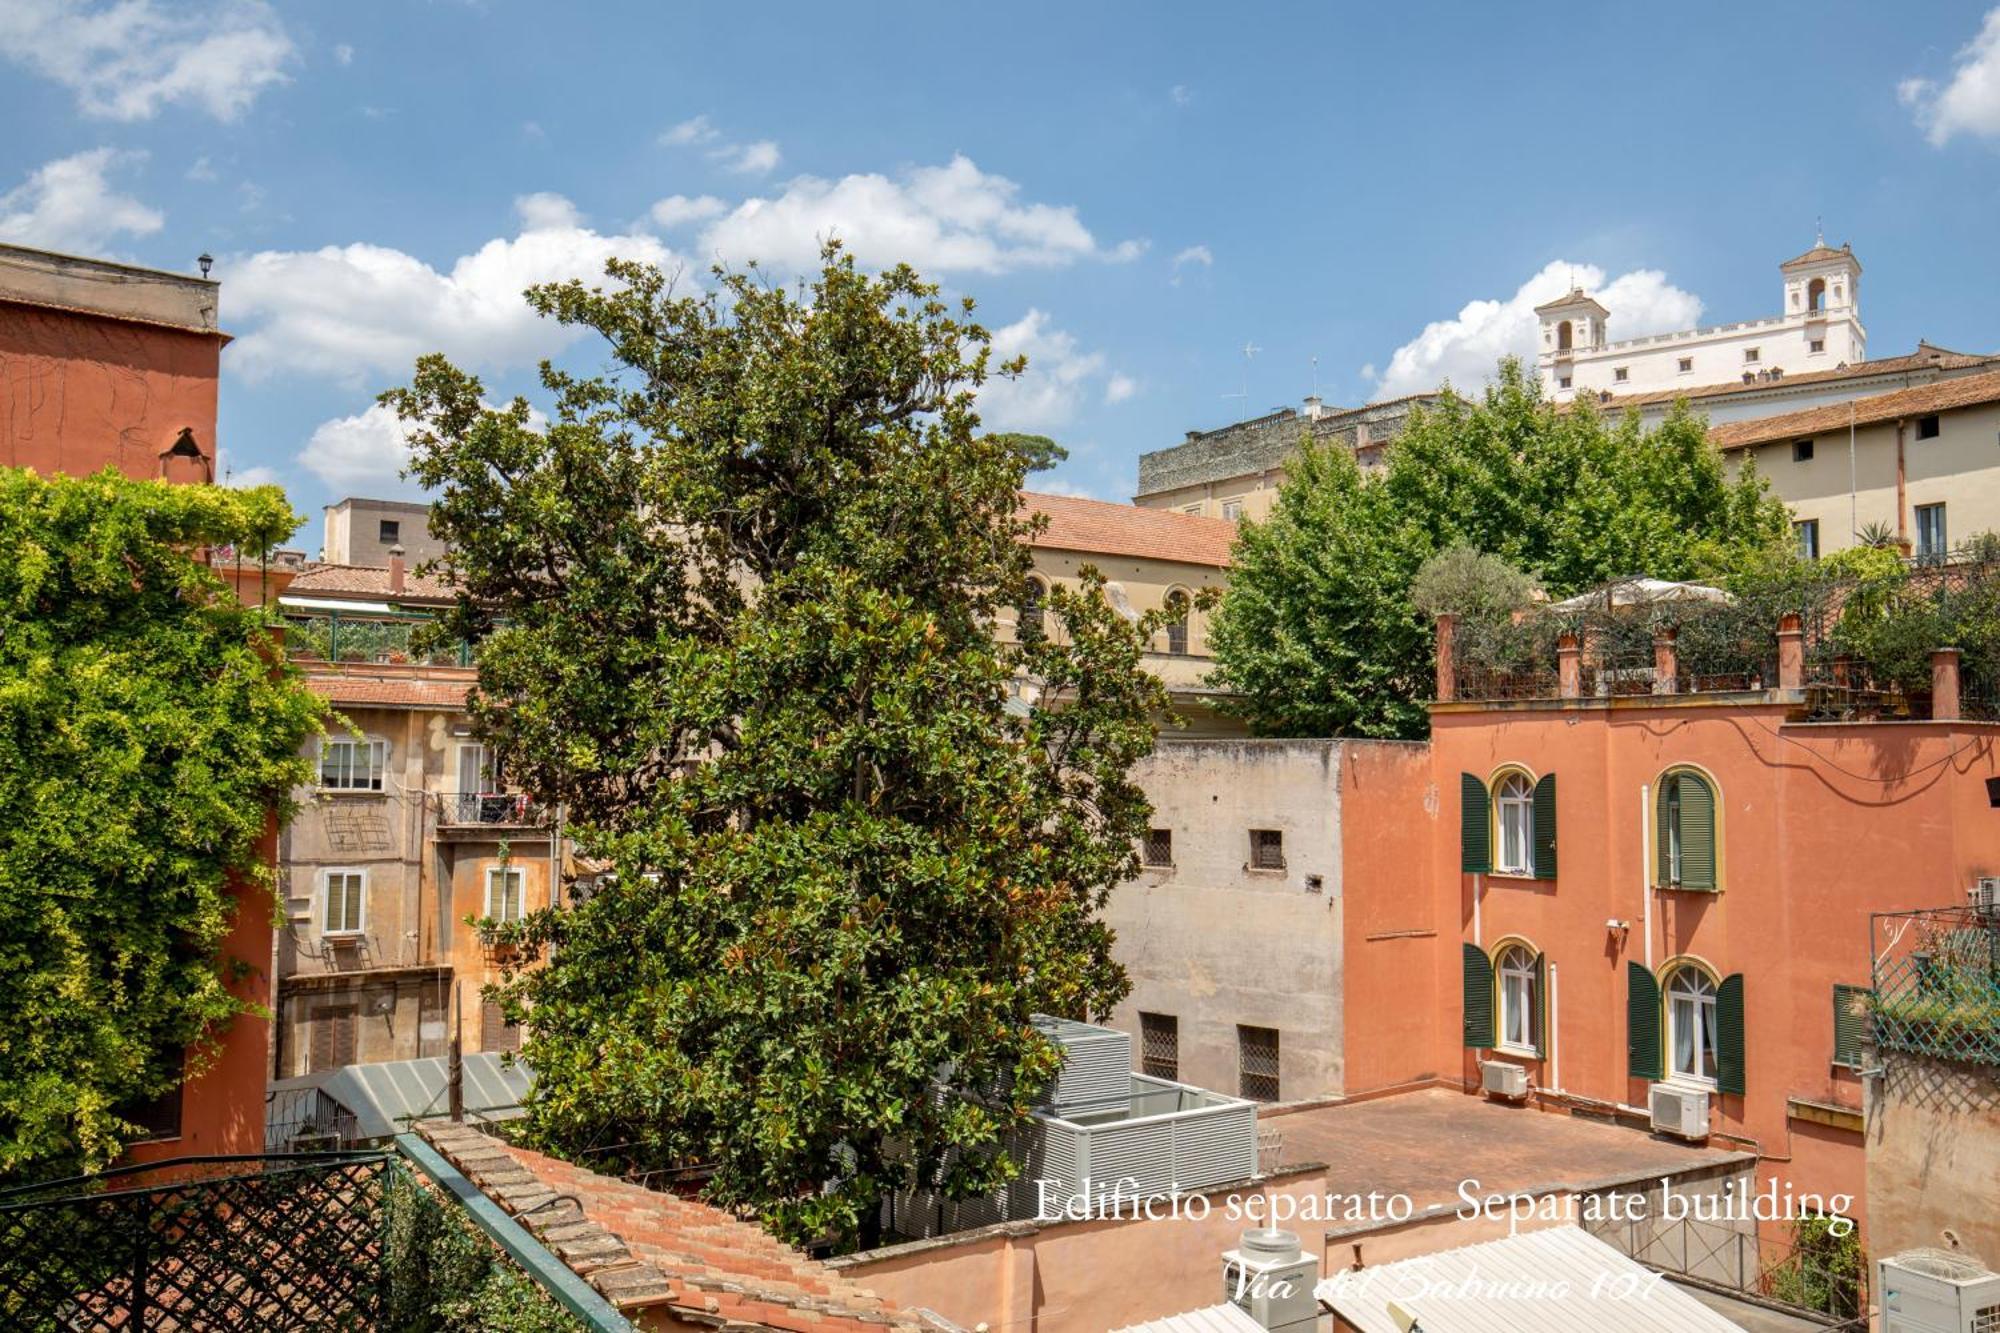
(1257, 1063)
(1160, 1046)
(506, 894)
(1267, 849)
(343, 893)
(351, 765)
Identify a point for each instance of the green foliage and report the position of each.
(1461, 581)
(1319, 632)
(146, 736)
(445, 1277)
(734, 609)
(1826, 1270)
(1038, 453)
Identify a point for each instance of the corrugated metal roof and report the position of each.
(1561, 1280)
(388, 1098)
(1215, 1319)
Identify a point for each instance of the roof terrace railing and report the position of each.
(1936, 983)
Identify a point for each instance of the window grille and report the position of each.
(1267, 849)
(1159, 847)
(1160, 1046)
(1257, 1063)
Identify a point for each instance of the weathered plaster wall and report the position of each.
(1934, 1156)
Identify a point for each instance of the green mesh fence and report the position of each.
(1937, 984)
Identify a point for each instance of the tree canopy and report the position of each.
(1320, 632)
(736, 607)
(147, 733)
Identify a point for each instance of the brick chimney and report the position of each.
(396, 569)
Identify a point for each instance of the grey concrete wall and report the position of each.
(354, 530)
(1933, 1156)
(1216, 943)
(122, 291)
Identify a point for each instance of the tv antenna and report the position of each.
(1250, 349)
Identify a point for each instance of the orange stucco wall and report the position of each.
(80, 392)
(1820, 825)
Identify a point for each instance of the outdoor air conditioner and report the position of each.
(1681, 1112)
(1985, 896)
(1937, 1291)
(1498, 1078)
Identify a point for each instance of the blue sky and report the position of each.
(1133, 192)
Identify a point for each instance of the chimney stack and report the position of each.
(1315, 409)
(1271, 1279)
(396, 569)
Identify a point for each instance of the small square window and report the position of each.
(1160, 1046)
(1750, 355)
(1232, 509)
(1620, 374)
(392, 531)
(1159, 847)
(1687, 364)
(1267, 849)
(1563, 383)
(1927, 428)
(1816, 345)
(1802, 451)
(1257, 1063)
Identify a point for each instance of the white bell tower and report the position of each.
(1572, 324)
(1823, 291)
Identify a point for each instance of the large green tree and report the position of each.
(736, 605)
(147, 733)
(1319, 633)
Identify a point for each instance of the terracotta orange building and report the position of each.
(1630, 892)
(106, 365)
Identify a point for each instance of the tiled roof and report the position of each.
(1099, 528)
(367, 581)
(1575, 296)
(1820, 251)
(389, 691)
(649, 1251)
(1943, 396)
(1926, 357)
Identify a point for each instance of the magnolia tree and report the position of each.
(736, 604)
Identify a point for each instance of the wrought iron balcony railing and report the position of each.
(502, 809)
(1937, 983)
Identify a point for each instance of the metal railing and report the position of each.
(505, 809)
(1936, 983)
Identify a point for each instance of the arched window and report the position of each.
(1686, 826)
(1177, 623)
(1816, 294)
(1691, 1027)
(1031, 617)
(1520, 983)
(1564, 336)
(1514, 818)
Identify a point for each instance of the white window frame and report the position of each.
(1691, 1001)
(360, 923)
(378, 763)
(1926, 548)
(493, 873)
(1516, 980)
(1232, 508)
(1753, 356)
(1514, 813)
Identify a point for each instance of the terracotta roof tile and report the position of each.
(357, 690)
(1943, 396)
(645, 1249)
(1099, 528)
(1820, 251)
(369, 581)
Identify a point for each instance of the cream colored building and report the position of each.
(1922, 462)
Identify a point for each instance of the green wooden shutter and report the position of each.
(1545, 827)
(1642, 1022)
(1729, 1034)
(1475, 823)
(1541, 1015)
(1478, 998)
(1850, 1024)
(1697, 834)
(1663, 868)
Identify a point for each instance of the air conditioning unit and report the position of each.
(1498, 1078)
(1985, 896)
(1681, 1112)
(1937, 1291)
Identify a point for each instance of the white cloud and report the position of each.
(954, 218)
(1044, 485)
(127, 59)
(676, 209)
(363, 454)
(1181, 94)
(343, 54)
(1058, 377)
(241, 478)
(362, 312)
(694, 131)
(1466, 349)
(203, 170)
(749, 159)
(1194, 254)
(745, 159)
(1120, 387)
(1970, 102)
(69, 204)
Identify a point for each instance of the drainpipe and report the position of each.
(1902, 513)
(1555, 1037)
(1646, 865)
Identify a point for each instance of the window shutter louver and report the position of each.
(1545, 827)
(1850, 1024)
(1697, 834)
(1663, 863)
(1541, 1016)
(1642, 1022)
(1729, 1034)
(1478, 998)
(1475, 825)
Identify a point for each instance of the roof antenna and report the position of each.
(1315, 374)
(1250, 349)
(1819, 232)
